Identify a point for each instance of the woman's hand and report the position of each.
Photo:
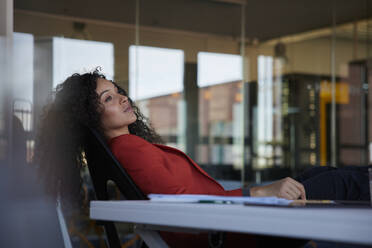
(287, 188)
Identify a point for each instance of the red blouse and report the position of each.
(162, 169)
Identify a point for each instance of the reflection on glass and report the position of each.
(78, 56)
(354, 115)
(23, 57)
(54, 60)
(290, 92)
(298, 88)
(22, 98)
(5, 57)
(217, 68)
(156, 82)
(270, 102)
(154, 71)
(220, 120)
(265, 111)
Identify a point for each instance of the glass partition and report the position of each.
(220, 107)
(79, 56)
(196, 104)
(21, 192)
(312, 101)
(248, 107)
(156, 84)
(291, 114)
(4, 70)
(352, 46)
(296, 99)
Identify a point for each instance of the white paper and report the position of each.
(218, 199)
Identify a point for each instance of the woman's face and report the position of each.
(117, 111)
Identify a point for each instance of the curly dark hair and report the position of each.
(60, 143)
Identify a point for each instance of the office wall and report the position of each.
(122, 36)
(313, 56)
(307, 56)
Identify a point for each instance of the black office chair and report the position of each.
(103, 167)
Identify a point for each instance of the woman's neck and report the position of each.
(116, 132)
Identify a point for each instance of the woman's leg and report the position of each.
(338, 184)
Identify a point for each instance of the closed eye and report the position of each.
(109, 98)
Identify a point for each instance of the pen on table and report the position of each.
(215, 201)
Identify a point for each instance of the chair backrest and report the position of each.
(103, 167)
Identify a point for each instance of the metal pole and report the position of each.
(6, 18)
(137, 43)
(6, 64)
(245, 98)
(333, 89)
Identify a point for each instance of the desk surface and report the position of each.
(332, 224)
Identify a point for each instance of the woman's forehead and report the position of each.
(104, 84)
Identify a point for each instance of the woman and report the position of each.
(91, 100)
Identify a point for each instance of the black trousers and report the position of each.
(323, 182)
(347, 183)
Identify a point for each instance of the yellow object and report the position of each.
(342, 97)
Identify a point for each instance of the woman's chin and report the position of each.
(134, 119)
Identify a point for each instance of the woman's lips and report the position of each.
(128, 109)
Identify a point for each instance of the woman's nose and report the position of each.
(124, 98)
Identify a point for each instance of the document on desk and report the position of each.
(219, 199)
